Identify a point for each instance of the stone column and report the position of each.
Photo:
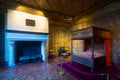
(43, 50)
(11, 61)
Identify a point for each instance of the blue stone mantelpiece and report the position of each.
(11, 37)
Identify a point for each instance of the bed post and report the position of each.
(71, 48)
(92, 67)
(107, 49)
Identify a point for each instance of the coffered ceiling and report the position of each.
(65, 10)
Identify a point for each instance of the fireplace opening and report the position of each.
(27, 51)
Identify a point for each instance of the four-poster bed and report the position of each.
(96, 49)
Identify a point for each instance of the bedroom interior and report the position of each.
(34, 34)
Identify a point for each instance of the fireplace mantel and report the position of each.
(12, 36)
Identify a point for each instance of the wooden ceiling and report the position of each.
(65, 10)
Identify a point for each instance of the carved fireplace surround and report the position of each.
(12, 36)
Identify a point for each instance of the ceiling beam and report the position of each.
(93, 9)
(110, 8)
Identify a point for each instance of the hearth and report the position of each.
(27, 51)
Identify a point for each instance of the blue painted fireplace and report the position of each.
(24, 45)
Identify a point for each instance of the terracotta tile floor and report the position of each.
(35, 71)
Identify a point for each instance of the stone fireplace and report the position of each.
(23, 45)
(26, 36)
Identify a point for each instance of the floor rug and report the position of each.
(81, 72)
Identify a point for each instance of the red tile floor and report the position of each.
(34, 71)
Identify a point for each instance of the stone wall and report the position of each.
(59, 35)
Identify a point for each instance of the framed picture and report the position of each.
(30, 22)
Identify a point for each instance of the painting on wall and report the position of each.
(30, 22)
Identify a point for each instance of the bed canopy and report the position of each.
(92, 37)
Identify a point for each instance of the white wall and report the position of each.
(16, 20)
